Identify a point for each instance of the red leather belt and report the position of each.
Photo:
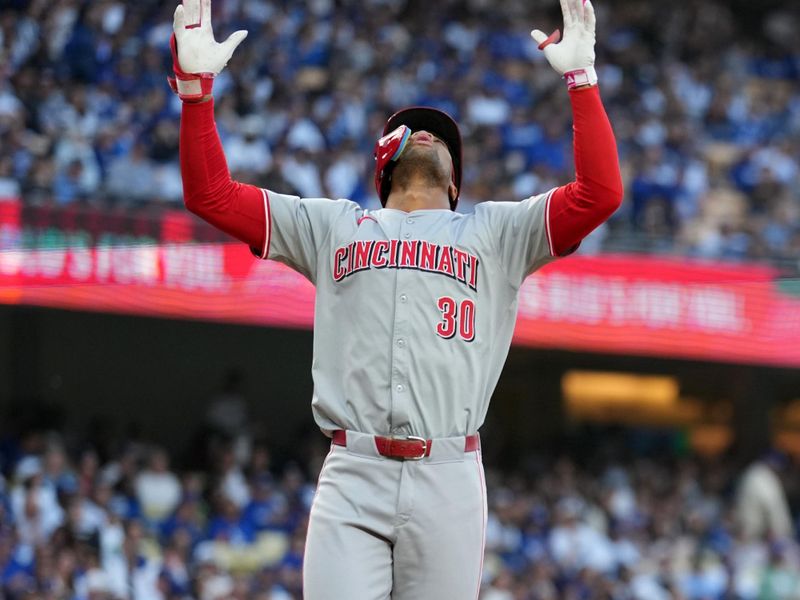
(407, 448)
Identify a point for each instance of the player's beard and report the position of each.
(420, 164)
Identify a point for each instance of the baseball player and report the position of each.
(415, 310)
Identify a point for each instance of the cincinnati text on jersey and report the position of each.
(406, 254)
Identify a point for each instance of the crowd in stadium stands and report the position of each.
(704, 96)
(99, 520)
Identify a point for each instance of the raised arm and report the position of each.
(208, 191)
(577, 208)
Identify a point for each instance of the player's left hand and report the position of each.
(573, 56)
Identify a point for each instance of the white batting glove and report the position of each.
(196, 56)
(573, 56)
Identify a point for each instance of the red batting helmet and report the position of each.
(399, 128)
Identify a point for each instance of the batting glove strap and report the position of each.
(190, 87)
(580, 77)
(193, 87)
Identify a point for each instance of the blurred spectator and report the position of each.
(232, 481)
(131, 175)
(762, 509)
(34, 504)
(157, 488)
(9, 186)
(247, 152)
(227, 417)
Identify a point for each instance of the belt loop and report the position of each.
(472, 442)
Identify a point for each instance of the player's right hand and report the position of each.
(572, 56)
(196, 56)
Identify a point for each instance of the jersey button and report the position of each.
(399, 388)
(401, 343)
(410, 221)
(403, 298)
(406, 235)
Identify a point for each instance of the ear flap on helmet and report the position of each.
(387, 150)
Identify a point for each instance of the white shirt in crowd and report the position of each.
(158, 492)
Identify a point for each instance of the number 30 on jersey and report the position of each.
(456, 318)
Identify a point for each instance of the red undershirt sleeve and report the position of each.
(578, 208)
(238, 209)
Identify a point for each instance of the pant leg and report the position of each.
(348, 551)
(439, 550)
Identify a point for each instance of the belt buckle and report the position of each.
(424, 446)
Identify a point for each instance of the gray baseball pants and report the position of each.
(382, 528)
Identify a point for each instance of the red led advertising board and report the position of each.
(608, 304)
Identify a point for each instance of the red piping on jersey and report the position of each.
(238, 209)
(268, 220)
(576, 209)
(547, 233)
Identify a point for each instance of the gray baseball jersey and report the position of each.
(414, 311)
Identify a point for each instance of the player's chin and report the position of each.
(422, 162)
(422, 157)
(417, 151)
